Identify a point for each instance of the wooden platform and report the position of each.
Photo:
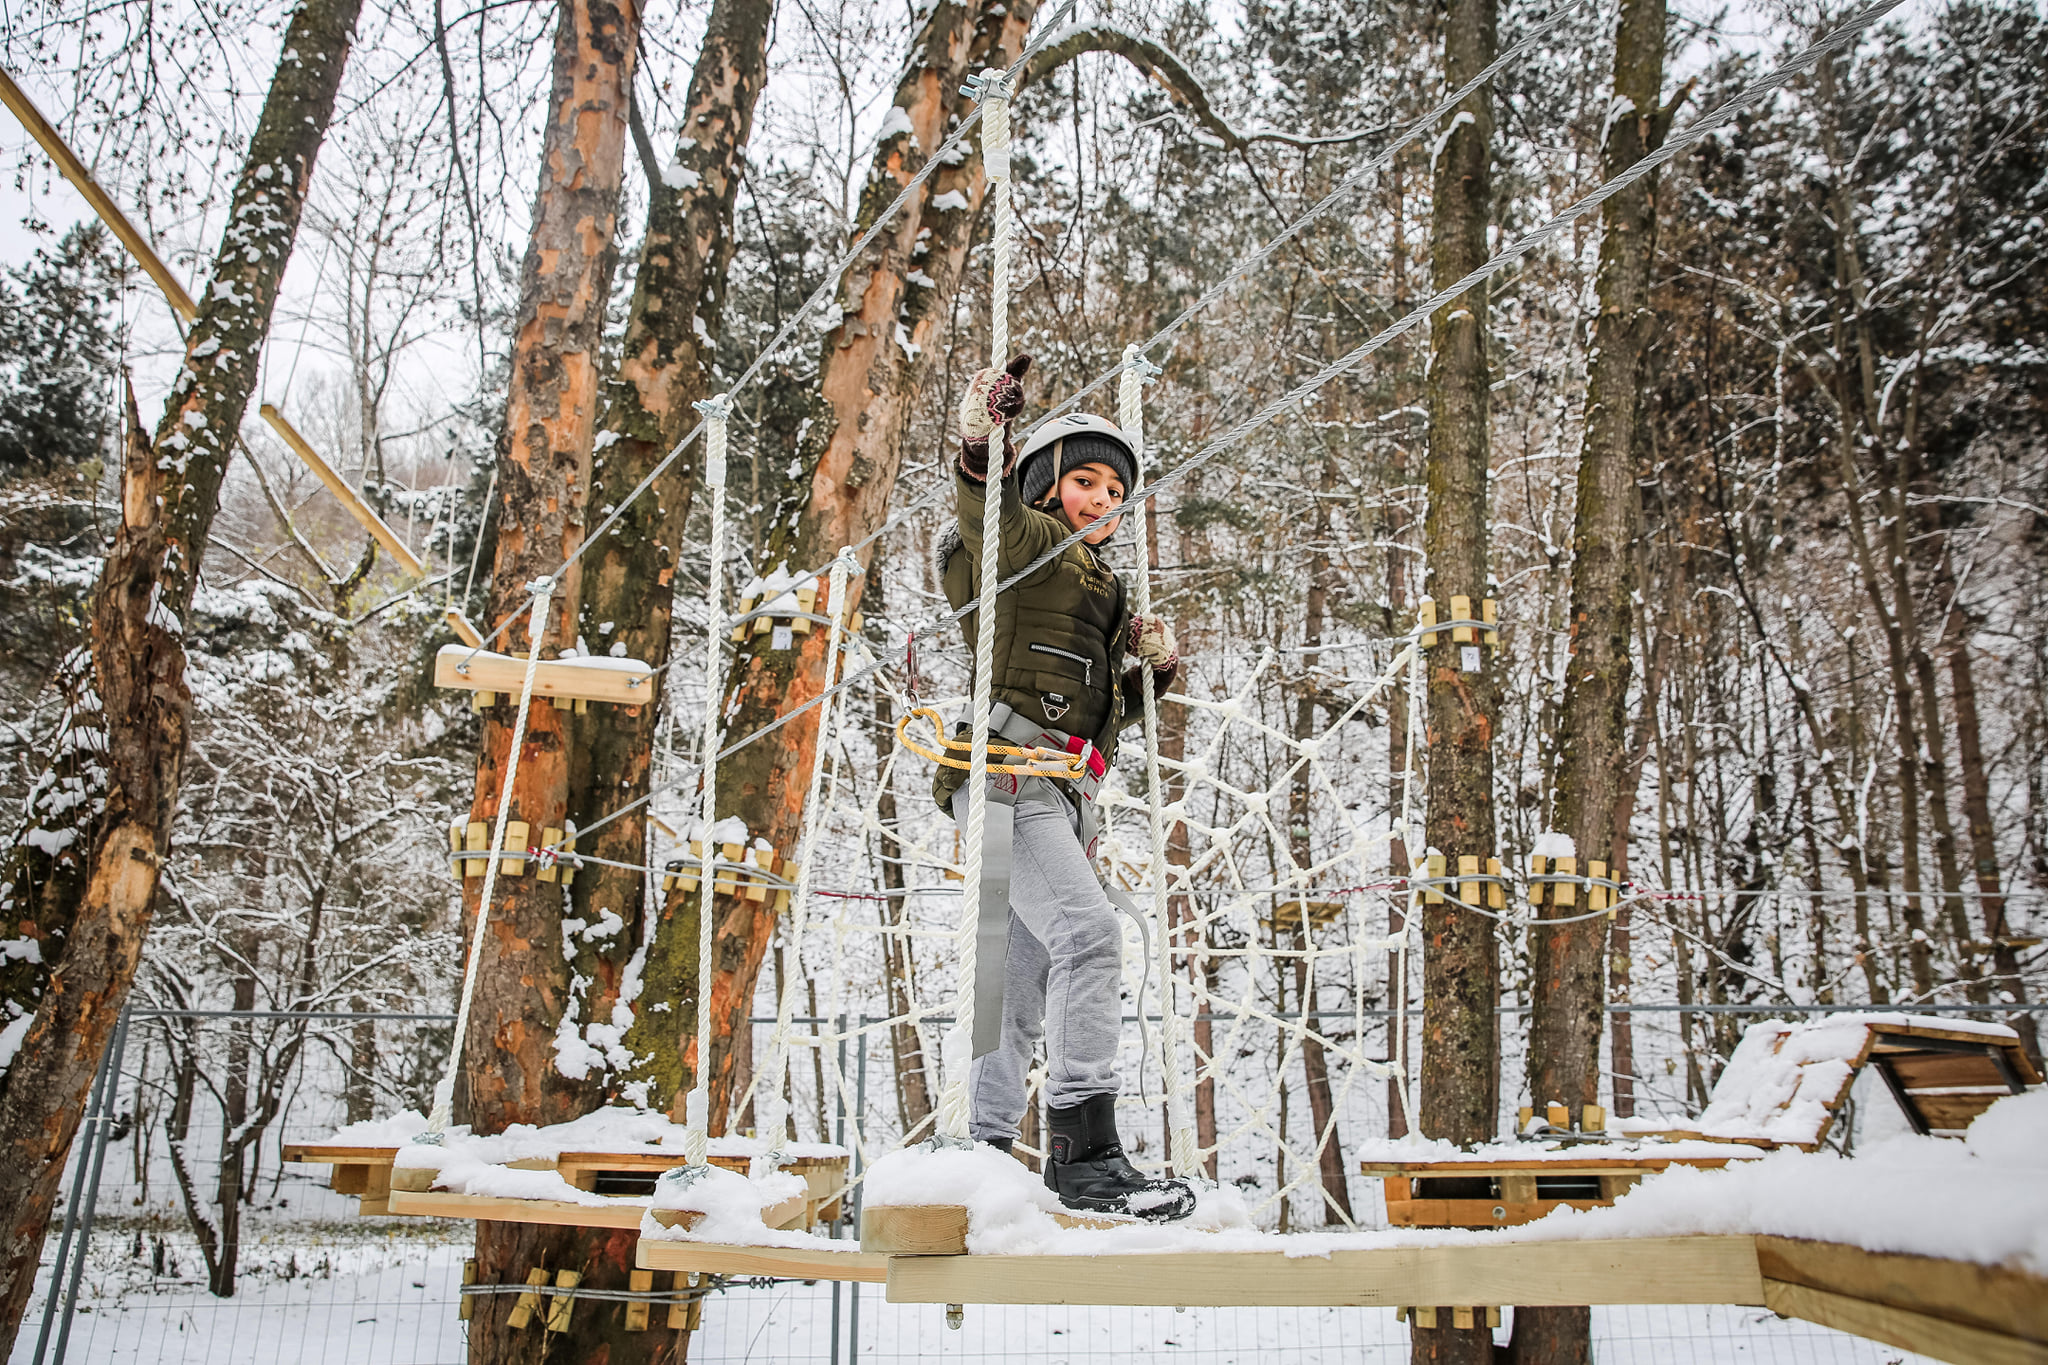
(366, 1172)
(941, 1229)
(721, 1258)
(614, 1213)
(1507, 1192)
(1476, 1273)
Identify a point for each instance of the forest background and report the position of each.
(1840, 682)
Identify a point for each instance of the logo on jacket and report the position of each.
(1055, 705)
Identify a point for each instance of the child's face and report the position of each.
(1089, 498)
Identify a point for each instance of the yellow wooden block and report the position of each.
(1424, 1317)
(730, 852)
(640, 1282)
(1565, 893)
(782, 901)
(1593, 1119)
(1461, 610)
(483, 701)
(799, 625)
(1433, 867)
(1493, 1317)
(1461, 1318)
(476, 836)
(757, 892)
(528, 1303)
(467, 1308)
(1496, 894)
(1557, 1116)
(1425, 615)
(515, 842)
(568, 870)
(548, 872)
(1538, 864)
(1468, 891)
(562, 1305)
(1489, 613)
(1523, 1116)
(807, 597)
(1596, 896)
(855, 622)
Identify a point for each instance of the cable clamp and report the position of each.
(979, 85)
(718, 406)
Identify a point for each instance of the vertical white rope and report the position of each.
(1183, 1150)
(697, 1106)
(770, 1101)
(958, 1050)
(543, 589)
(1418, 698)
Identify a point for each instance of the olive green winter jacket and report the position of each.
(1060, 634)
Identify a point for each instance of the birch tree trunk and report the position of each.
(1569, 965)
(871, 367)
(81, 878)
(1460, 1047)
(512, 1070)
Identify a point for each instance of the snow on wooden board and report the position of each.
(624, 681)
(1983, 1199)
(615, 1129)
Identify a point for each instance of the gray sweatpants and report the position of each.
(1063, 979)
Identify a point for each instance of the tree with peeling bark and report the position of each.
(1593, 792)
(872, 365)
(1459, 1043)
(511, 1067)
(82, 876)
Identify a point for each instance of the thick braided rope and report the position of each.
(958, 1050)
(770, 1100)
(444, 1093)
(1183, 1151)
(697, 1107)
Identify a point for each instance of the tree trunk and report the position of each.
(871, 368)
(87, 894)
(524, 985)
(1460, 1099)
(1568, 995)
(628, 584)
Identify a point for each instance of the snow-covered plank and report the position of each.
(627, 682)
(1645, 1270)
(1995, 1298)
(726, 1258)
(620, 1213)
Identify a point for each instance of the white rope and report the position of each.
(444, 1093)
(958, 1049)
(1183, 1151)
(697, 1106)
(770, 1100)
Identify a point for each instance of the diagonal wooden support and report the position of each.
(110, 213)
(379, 530)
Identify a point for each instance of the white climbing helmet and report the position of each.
(1066, 442)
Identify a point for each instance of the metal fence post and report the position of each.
(69, 1268)
(860, 1106)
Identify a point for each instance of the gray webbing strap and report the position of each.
(992, 929)
(1130, 907)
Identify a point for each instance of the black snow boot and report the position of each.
(1000, 1144)
(1090, 1173)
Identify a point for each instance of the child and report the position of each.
(1049, 944)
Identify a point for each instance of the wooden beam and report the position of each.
(475, 670)
(45, 133)
(341, 488)
(493, 1209)
(1937, 1337)
(1531, 1274)
(464, 631)
(1996, 1298)
(720, 1258)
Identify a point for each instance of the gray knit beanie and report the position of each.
(1040, 469)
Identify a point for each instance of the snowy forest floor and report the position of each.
(383, 1292)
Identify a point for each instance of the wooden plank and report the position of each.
(1532, 1274)
(1952, 1113)
(1479, 1213)
(1937, 1337)
(102, 203)
(914, 1230)
(722, 1258)
(1924, 1070)
(1584, 1166)
(475, 670)
(637, 1314)
(327, 1154)
(1996, 1298)
(523, 1309)
(464, 631)
(560, 1306)
(344, 492)
(493, 1209)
